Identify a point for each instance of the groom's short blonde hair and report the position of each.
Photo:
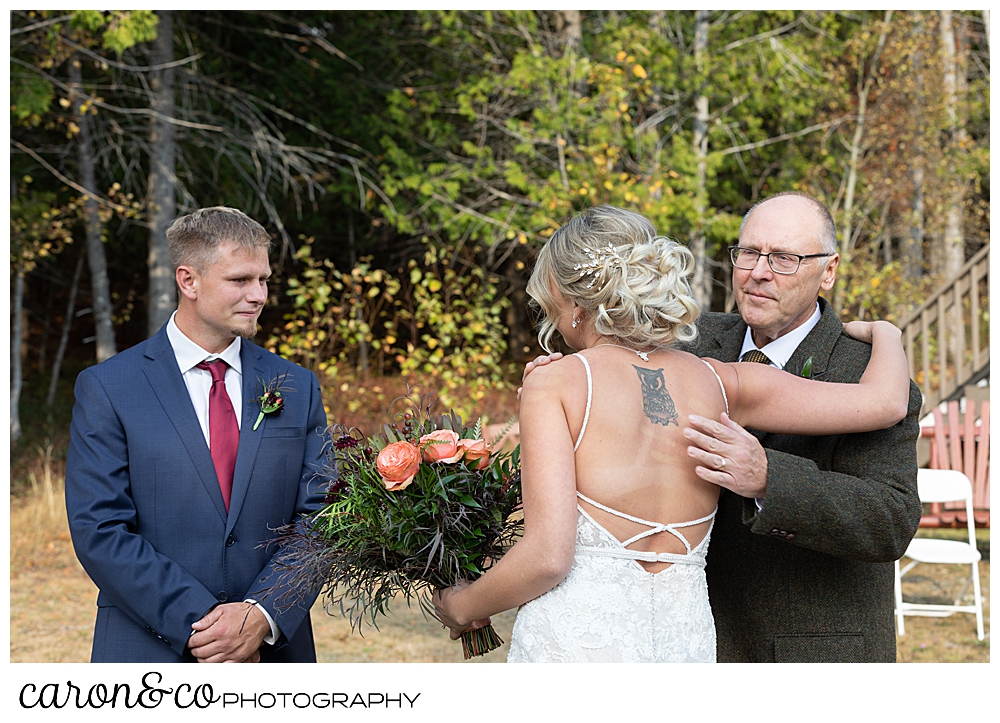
(194, 239)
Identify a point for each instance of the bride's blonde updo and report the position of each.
(631, 283)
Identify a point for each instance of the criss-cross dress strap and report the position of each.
(655, 527)
(590, 397)
(722, 386)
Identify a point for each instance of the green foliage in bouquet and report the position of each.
(420, 505)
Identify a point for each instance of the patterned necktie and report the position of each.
(756, 356)
(223, 431)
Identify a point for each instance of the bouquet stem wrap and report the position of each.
(480, 641)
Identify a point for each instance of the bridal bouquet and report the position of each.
(420, 505)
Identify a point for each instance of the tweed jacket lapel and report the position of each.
(721, 337)
(165, 378)
(818, 344)
(253, 370)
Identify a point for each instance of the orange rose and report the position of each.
(398, 464)
(441, 446)
(477, 452)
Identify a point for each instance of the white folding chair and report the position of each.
(942, 485)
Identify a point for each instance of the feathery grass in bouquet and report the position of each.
(421, 505)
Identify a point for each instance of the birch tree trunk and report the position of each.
(865, 82)
(570, 31)
(64, 339)
(162, 160)
(953, 255)
(953, 251)
(701, 281)
(911, 246)
(17, 336)
(99, 282)
(15, 344)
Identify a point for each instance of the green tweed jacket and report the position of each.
(809, 577)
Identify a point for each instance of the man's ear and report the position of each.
(830, 273)
(188, 281)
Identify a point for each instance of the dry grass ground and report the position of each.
(52, 605)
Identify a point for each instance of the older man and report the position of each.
(799, 568)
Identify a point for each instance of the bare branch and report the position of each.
(114, 108)
(42, 24)
(131, 68)
(783, 137)
(760, 36)
(72, 184)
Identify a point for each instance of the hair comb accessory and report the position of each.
(600, 260)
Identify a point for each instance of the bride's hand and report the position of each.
(865, 330)
(443, 601)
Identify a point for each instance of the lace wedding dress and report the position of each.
(609, 609)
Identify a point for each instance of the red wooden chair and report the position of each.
(962, 443)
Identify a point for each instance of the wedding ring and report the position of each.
(722, 465)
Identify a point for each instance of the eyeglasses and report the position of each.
(781, 262)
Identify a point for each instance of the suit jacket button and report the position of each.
(230, 541)
(790, 536)
(222, 596)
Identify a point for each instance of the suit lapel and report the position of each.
(253, 369)
(722, 337)
(819, 342)
(165, 378)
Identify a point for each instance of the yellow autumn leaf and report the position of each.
(622, 107)
(638, 71)
(621, 56)
(609, 185)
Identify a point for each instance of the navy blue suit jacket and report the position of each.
(146, 513)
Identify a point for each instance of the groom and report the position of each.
(176, 475)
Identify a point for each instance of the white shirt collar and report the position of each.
(190, 354)
(781, 349)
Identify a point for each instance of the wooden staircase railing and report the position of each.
(947, 337)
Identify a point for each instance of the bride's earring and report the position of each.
(576, 322)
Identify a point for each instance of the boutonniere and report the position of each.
(806, 371)
(271, 401)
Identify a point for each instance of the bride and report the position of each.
(616, 522)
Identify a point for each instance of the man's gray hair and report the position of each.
(827, 227)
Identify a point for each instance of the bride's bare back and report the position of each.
(633, 456)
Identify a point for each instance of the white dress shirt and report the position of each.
(199, 384)
(779, 352)
(199, 381)
(781, 349)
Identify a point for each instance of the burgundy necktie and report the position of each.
(223, 431)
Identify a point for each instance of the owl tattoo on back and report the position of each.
(657, 403)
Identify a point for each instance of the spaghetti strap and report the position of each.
(590, 396)
(722, 386)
